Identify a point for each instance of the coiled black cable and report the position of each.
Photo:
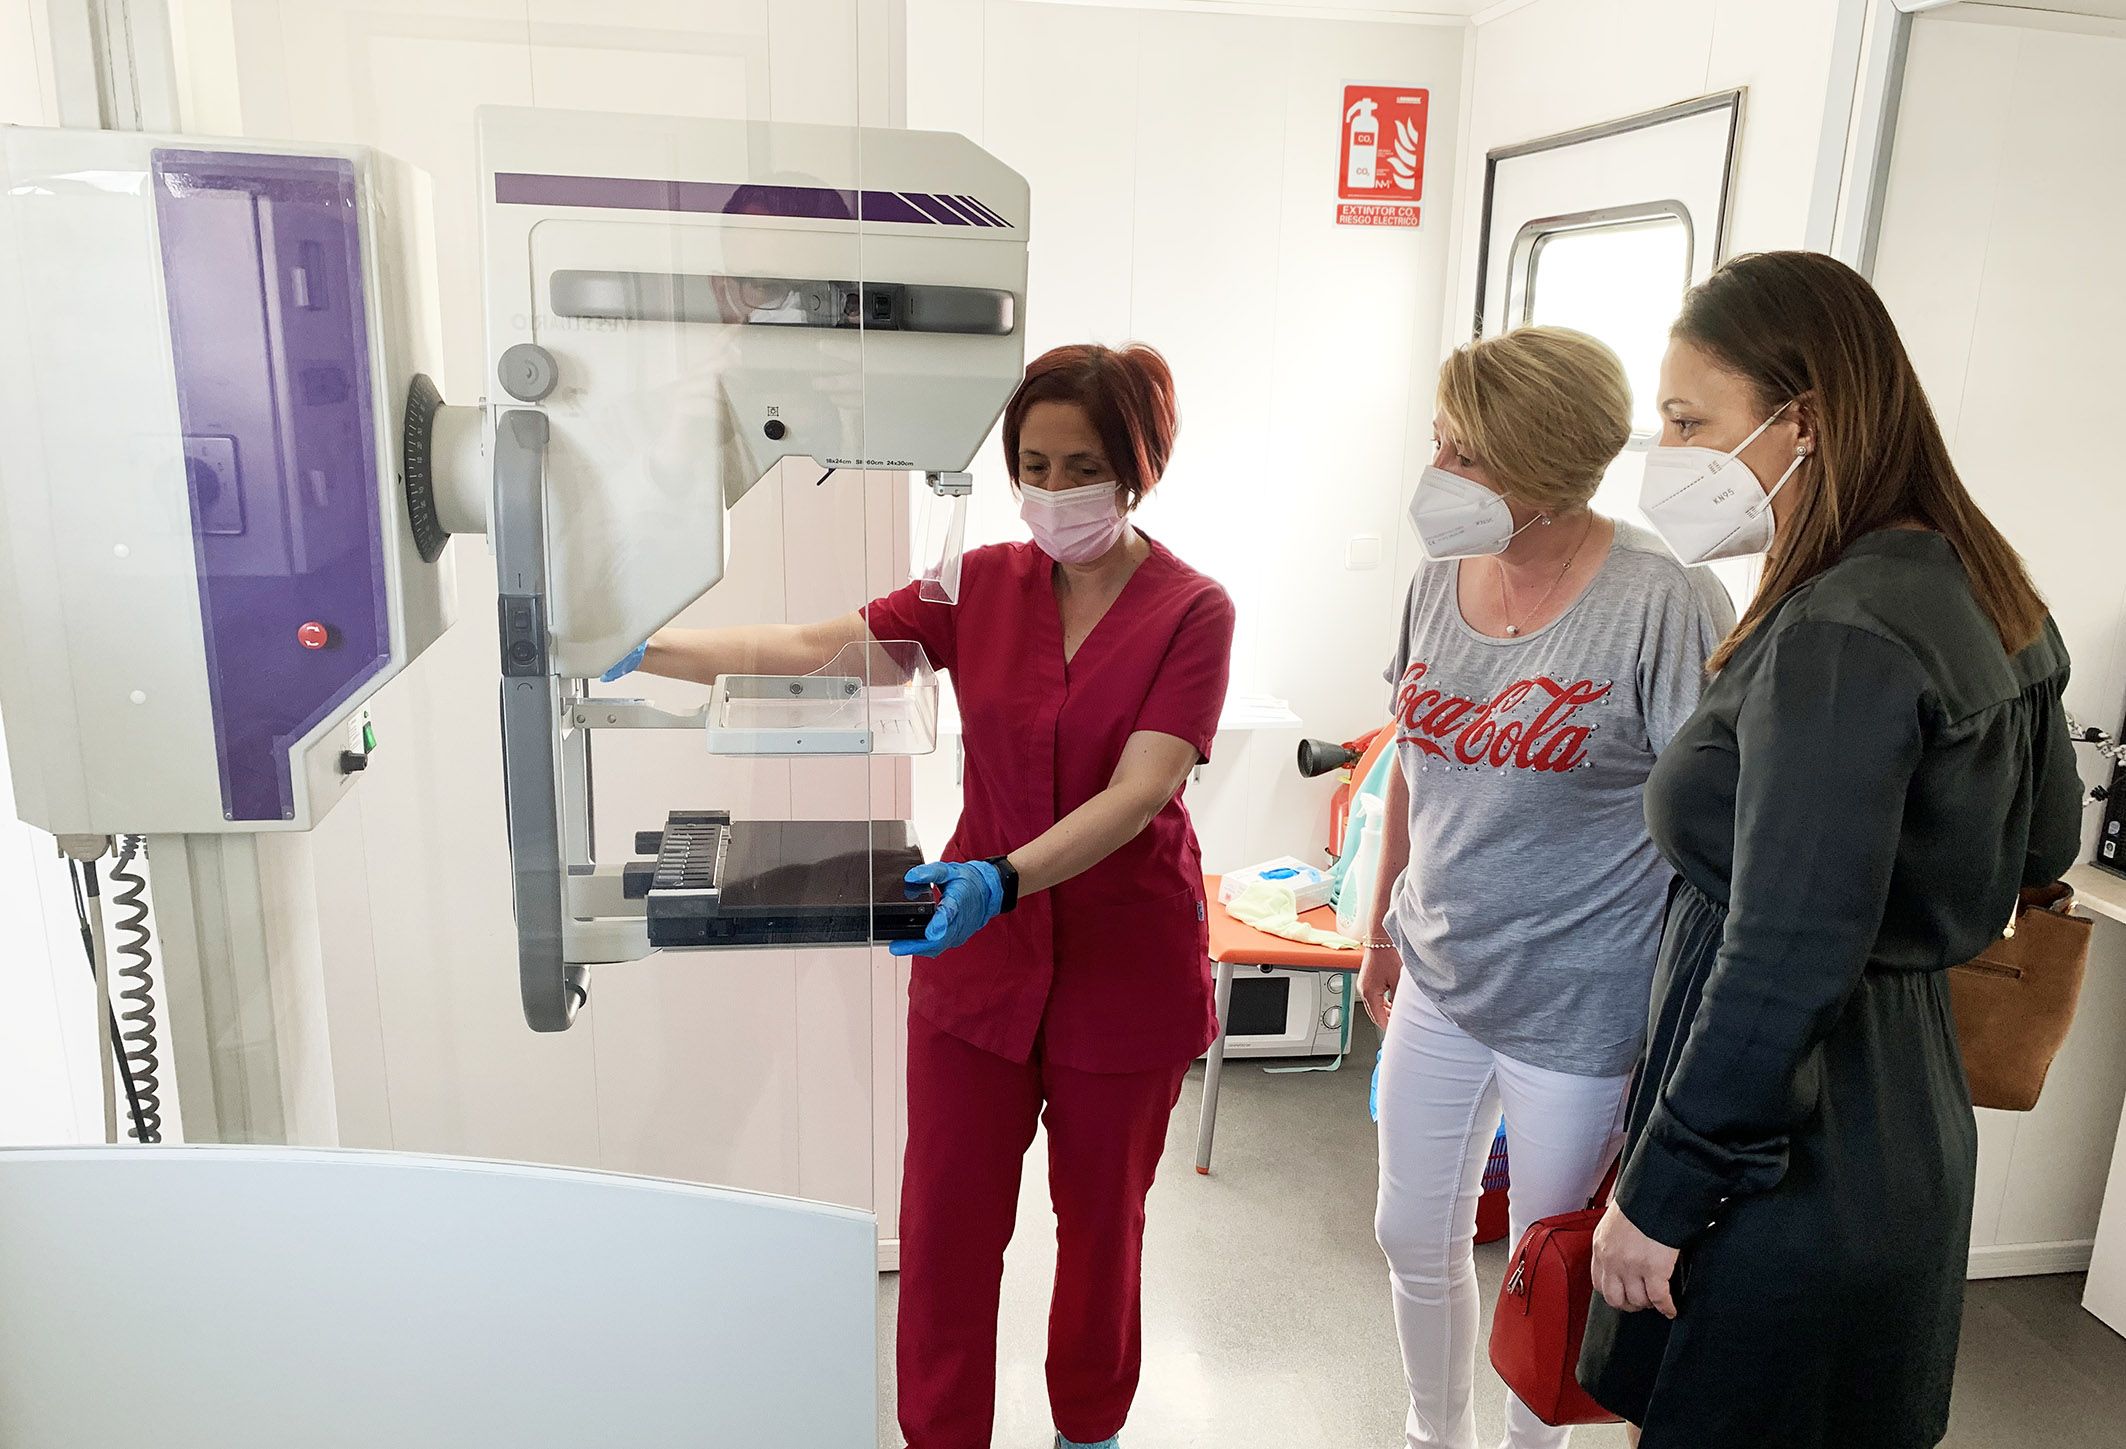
(86, 888)
(132, 967)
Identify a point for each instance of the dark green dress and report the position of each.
(1853, 808)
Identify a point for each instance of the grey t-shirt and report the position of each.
(1531, 909)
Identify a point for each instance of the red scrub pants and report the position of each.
(971, 1118)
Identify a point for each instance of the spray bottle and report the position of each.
(1354, 902)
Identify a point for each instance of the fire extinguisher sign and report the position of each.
(1382, 179)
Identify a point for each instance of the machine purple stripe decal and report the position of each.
(985, 211)
(630, 193)
(262, 266)
(886, 206)
(957, 209)
(936, 209)
(915, 205)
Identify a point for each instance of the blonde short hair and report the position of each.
(1543, 409)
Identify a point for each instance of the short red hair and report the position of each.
(1128, 393)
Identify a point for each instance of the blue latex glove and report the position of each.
(970, 894)
(626, 666)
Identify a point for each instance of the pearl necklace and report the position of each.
(1513, 630)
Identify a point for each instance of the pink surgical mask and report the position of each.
(1073, 525)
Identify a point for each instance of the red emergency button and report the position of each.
(313, 635)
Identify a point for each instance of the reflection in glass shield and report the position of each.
(782, 302)
(719, 882)
(942, 537)
(1621, 283)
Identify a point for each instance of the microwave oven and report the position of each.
(1273, 1012)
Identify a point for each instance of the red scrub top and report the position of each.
(1109, 970)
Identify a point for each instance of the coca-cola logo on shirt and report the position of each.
(1528, 725)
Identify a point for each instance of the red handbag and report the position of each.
(1542, 1315)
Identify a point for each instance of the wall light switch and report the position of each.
(1362, 553)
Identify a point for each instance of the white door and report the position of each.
(1602, 230)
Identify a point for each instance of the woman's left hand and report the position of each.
(626, 666)
(970, 894)
(1378, 972)
(1631, 1270)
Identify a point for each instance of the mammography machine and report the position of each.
(682, 335)
(232, 479)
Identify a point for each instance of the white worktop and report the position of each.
(2098, 890)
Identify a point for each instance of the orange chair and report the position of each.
(1235, 944)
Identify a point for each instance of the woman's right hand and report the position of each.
(1377, 978)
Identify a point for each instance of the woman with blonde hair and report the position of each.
(1547, 655)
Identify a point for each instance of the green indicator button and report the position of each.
(368, 736)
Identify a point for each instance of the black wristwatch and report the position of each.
(1010, 876)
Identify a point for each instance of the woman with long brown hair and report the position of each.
(1879, 764)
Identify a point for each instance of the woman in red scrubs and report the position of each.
(1090, 667)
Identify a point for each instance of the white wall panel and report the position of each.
(1556, 65)
(25, 84)
(1999, 259)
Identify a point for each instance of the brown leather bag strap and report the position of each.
(2058, 897)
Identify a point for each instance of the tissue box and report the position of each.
(1311, 887)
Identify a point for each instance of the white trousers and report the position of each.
(1441, 1092)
